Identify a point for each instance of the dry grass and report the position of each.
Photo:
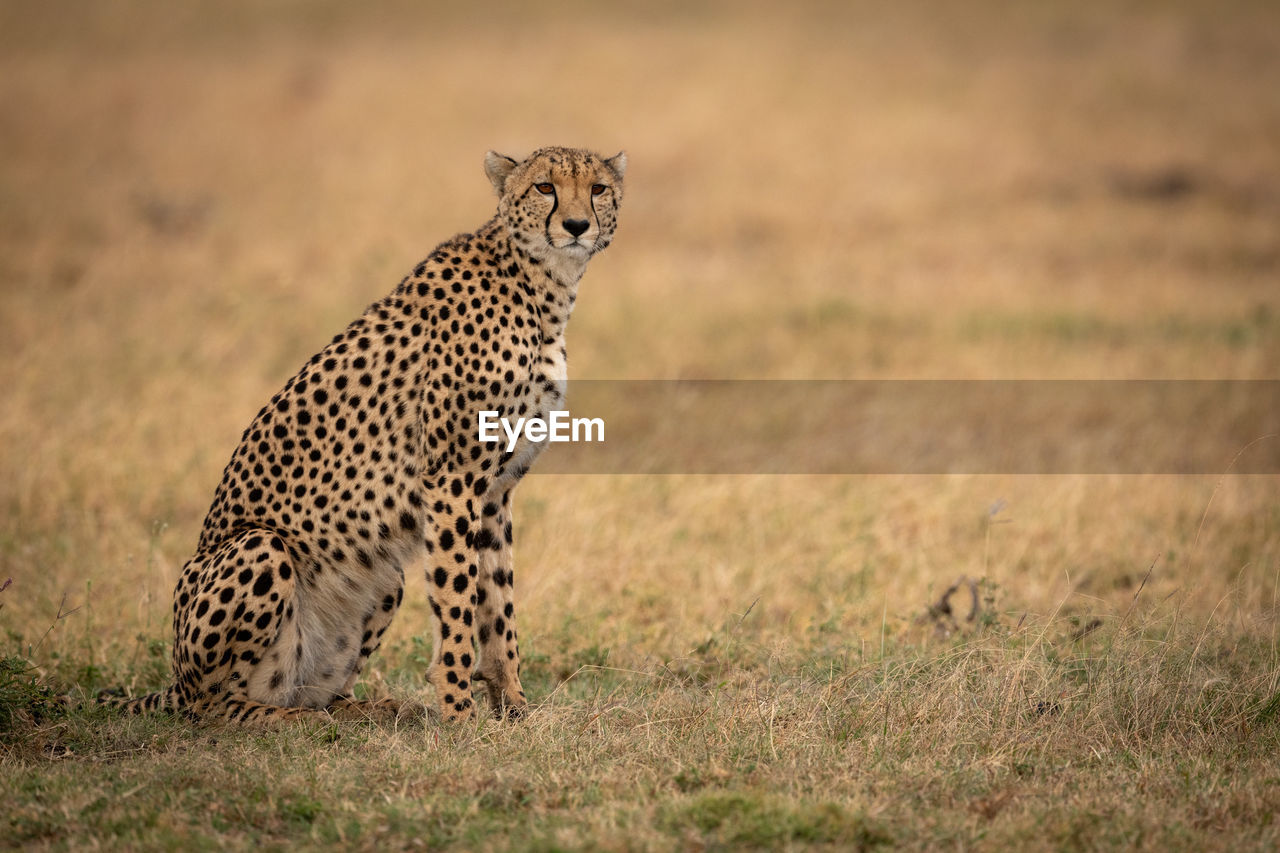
(191, 202)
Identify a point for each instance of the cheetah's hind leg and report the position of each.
(236, 637)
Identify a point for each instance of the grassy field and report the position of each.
(195, 197)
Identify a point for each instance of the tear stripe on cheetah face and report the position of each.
(367, 463)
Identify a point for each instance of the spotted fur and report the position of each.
(368, 463)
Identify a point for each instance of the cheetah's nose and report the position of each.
(576, 227)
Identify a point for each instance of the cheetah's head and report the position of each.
(559, 201)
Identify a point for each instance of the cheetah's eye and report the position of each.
(545, 189)
(597, 189)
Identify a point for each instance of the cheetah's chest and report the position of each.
(547, 394)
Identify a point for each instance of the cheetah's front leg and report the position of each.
(451, 588)
(495, 610)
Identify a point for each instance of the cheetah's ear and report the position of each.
(618, 163)
(497, 167)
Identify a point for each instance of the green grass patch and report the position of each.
(742, 819)
(1017, 733)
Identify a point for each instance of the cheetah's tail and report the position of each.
(168, 699)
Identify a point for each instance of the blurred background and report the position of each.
(195, 197)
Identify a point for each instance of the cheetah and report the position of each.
(369, 461)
